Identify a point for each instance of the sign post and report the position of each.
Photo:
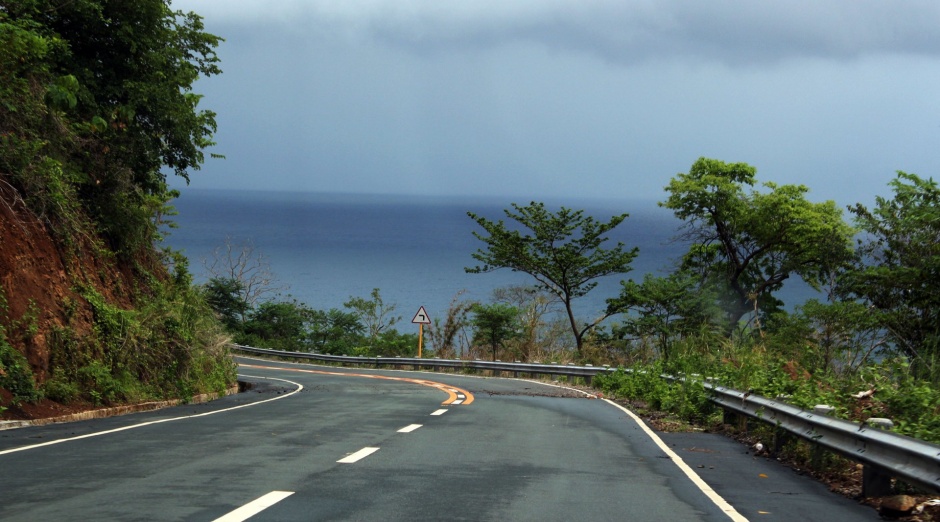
(421, 318)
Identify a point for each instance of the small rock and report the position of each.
(898, 505)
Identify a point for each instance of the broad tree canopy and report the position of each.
(562, 251)
(752, 241)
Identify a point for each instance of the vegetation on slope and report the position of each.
(96, 106)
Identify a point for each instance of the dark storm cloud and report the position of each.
(730, 32)
(590, 98)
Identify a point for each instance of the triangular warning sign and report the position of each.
(421, 317)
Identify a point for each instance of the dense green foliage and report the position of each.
(294, 326)
(495, 323)
(171, 345)
(562, 251)
(899, 273)
(870, 346)
(870, 350)
(665, 309)
(96, 103)
(746, 244)
(97, 98)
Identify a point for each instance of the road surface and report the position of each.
(318, 443)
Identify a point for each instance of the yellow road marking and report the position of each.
(451, 391)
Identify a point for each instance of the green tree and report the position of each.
(751, 241)
(562, 251)
(901, 270)
(103, 93)
(335, 331)
(391, 343)
(376, 316)
(225, 296)
(664, 308)
(534, 304)
(495, 324)
(281, 325)
(837, 337)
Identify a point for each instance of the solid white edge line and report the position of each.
(582, 392)
(410, 428)
(722, 504)
(439, 412)
(254, 507)
(357, 456)
(161, 421)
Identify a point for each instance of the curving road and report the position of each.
(317, 443)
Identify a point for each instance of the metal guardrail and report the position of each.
(585, 372)
(884, 454)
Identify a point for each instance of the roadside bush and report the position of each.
(686, 399)
(15, 374)
(60, 389)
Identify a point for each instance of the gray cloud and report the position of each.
(733, 32)
(590, 99)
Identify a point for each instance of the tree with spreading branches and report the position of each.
(562, 250)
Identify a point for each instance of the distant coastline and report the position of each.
(330, 246)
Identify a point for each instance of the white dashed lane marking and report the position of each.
(357, 456)
(255, 506)
(409, 428)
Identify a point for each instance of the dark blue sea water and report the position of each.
(329, 247)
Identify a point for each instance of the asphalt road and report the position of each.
(357, 444)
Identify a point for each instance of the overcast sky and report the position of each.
(582, 98)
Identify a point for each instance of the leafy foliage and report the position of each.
(374, 314)
(495, 323)
(226, 297)
(838, 337)
(95, 101)
(901, 270)
(15, 374)
(562, 251)
(688, 399)
(751, 242)
(665, 308)
(98, 98)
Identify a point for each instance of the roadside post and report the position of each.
(421, 318)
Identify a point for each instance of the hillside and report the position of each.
(96, 106)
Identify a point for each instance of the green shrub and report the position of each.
(15, 373)
(60, 389)
(687, 399)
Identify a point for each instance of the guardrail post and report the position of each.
(876, 482)
(570, 378)
(554, 375)
(781, 436)
(731, 418)
(818, 452)
(587, 378)
(515, 374)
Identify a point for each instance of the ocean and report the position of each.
(326, 248)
